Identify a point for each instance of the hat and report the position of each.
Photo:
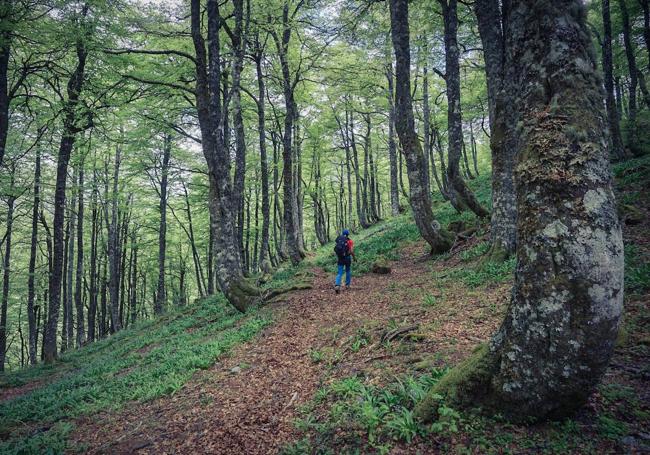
(346, 232)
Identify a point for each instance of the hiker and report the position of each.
(344, 249)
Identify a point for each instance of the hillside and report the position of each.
(314, 372)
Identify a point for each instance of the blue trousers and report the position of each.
(347, 266)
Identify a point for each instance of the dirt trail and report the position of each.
(246, 404)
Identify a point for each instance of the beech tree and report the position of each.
(439, 239)
(559, 331)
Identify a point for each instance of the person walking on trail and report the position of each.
(344, 249)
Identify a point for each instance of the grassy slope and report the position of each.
(156, 358)
(151, 359)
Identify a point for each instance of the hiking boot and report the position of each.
(348, 287)
(337, 289)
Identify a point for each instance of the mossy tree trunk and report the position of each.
(439, 239)
(558, 335)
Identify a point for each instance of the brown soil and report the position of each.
(247, 403)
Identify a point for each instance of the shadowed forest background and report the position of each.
(173, 176)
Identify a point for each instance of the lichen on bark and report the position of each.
(560, 327)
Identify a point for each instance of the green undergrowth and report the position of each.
(473, 272)
(149, 360)
(637, 271)
(352, 415)
(632, 179)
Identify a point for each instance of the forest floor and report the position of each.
(323, 373)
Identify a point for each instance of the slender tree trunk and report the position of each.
(618, 150)
(92, 308)
(374, 189)
(359, 183)
(558, 335)
(69, 296)
(134, 278)
(238, 45)
(113, 245)
(6, 273)
(298, 192)
(632, 135)
(210, 257)
(503, 137)
(261, 128)
(392, 147)
(81, 330)
(6, 35)
(278, 237)
(161, 295)
(289, 225)
(426, 114)
(198, 270)
(472, 142)
(645, 4)
(70, 129)
(31, 291)
(103, 304)
(420, 199)
(460, 195)
(123, 245)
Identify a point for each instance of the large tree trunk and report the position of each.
(503, 142)
(6, 273)
(31, 288)
(558, 335)
(232, 283)
(460, 195)
(617, 150)
(70, 129)
(161, 294)
(439, 239)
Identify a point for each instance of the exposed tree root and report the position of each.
(398, 332)
(465, 385)
(275, 292)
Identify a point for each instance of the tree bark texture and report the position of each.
(31, 280)
(420, 199)
(558, 335)
(161, 295)
(460, 195)
(70, 129)
(503, 142)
